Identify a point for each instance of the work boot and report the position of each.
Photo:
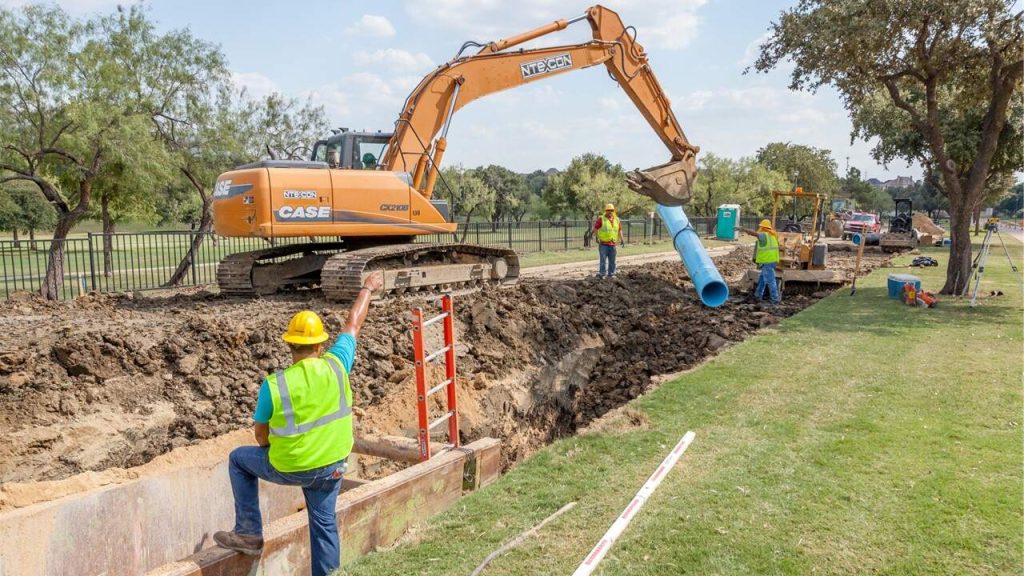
(251, 545)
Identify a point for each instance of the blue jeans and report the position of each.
(767, 278)
(319, 487)
(606, 253)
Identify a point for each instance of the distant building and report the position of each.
(897, 182)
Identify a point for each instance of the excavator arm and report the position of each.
(420, 136)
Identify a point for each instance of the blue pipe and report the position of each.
(711, 288)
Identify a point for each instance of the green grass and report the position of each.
(860, 436)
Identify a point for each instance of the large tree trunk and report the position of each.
(108, 236)
(958, 271)
(17, 240)
(54, 280)
(32, 239)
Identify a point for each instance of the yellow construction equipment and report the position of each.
(374, 191)
(803, 259)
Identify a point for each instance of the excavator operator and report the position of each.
(369, 161)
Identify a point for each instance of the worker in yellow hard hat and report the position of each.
(766, 256)
(609, 231)
(303, 428)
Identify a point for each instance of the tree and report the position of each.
(812, 168)
(23, 208)
(587, 184)
(726, 181)
(468, 194)
(511, 196)
(1013, 204)
(934, 81)
(867, 197)
(217, 129)
(10, 215)
(80, 96)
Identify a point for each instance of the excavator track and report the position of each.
(419, 268)
(266, 271)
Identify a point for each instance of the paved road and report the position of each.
(1015, 232)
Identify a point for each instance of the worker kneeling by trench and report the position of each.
(536, 361)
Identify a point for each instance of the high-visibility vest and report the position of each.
(311, 425)
(769, 253)
(609, 231)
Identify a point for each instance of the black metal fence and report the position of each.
(128, 262)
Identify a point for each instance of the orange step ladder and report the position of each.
(422, 358)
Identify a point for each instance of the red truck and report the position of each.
(861, 223)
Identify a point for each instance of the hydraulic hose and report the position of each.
(711, 289)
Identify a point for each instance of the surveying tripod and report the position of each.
(991, 229)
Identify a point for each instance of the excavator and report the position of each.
(373, 192)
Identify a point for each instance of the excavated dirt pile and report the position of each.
(113, 381)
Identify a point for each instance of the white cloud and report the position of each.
(670, 24)
(393, 59)
(753, 49)
(256, 84)
(371, 25)
(753, 98)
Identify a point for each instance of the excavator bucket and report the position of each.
(668, 184)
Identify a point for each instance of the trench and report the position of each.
(106, 383)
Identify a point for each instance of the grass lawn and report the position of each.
(860, 436)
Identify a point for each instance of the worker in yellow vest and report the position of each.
(609, 231)
(766, 256)
(303, 428)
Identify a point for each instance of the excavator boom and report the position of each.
(419, 140)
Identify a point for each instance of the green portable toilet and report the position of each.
(728, 220)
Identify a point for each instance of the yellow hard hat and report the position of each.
(609, 207)
(766, 224)
(305, 328)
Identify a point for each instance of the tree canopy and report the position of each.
(935, 81)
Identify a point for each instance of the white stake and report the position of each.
(619, 526)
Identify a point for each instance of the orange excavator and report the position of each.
(374, 192)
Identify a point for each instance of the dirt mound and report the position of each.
(925, 225)
(113, 381)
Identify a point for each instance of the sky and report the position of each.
(359, 60)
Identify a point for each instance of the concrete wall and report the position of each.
(132, 527)
(373, 515)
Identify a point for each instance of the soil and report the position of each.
(112, 381)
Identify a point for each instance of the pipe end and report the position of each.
(714, 294)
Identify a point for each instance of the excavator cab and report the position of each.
(352, 150)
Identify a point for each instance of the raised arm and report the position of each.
(357, 314)
(419, 141)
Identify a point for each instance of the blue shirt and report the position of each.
(344, 348)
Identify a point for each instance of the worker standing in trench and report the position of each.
(766, 256)
(609, 230)
(303, 428)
